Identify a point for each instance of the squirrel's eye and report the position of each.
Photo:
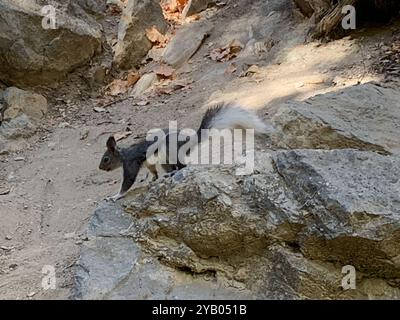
(106, 159)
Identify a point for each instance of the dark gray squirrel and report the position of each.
(131, 159)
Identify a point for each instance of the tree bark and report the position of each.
(332, 19)
(309, 7)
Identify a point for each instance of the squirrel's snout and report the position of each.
(104, 168)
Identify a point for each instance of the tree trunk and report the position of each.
(332, 19)
(309, 7)
(328, 13)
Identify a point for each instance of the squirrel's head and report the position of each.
(111, 158)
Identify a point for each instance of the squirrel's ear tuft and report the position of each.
(111, 144)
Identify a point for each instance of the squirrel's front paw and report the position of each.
(115, 198)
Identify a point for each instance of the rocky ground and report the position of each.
(324, 195)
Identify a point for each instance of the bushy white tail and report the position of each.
(229, 116)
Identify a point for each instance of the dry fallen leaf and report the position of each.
(193, 17)
(142, 103)
(226, 53)
(170, 6)
(154, 35)
(219, 54)
(173, 9)
(236, 46)
(117, 87)
(253, 69)
(132, 78)
(164, 70)
(178, 4)
(168, 86)
(169, 89)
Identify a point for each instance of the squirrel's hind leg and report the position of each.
(153, 170)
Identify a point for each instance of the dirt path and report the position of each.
(56, 185)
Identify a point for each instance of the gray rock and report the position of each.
(94, 7)
(113, 266)
(185, 43)
(18, 127)
(108, 221)
(133, 44)
(24, 102)
(53, 52)
(144, 83)
(196, 6)
(283, 232)
(14, 132)
(354, 200)
(363, 117)
(103, 265)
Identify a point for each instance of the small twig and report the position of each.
(105, 132)
(115, 101)
(138, 136)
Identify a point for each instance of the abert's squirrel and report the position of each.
(131, 159)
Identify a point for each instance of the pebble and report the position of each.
(99, 109)
(69, 235)
(51, 145)
(4, 190)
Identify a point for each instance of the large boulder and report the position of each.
(33, 55)
(19, 114)
(185, 43)
(285, 231)
(364, 117)
(353, 198)
(133, 44)
(19, 102)
(111, 266)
